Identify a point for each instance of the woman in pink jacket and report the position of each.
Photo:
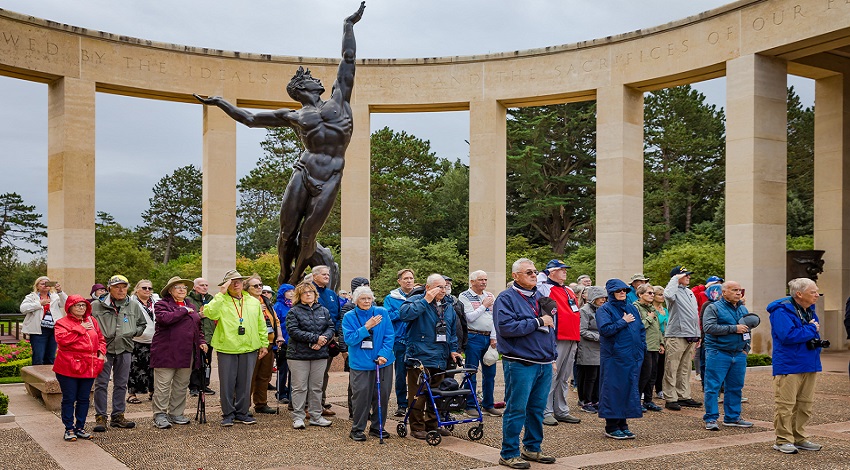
(79, 359)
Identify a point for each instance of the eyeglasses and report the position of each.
(621, 291)
(255, 285)
(146, 288)
(531, 272)
(179, 287)
(80, 304)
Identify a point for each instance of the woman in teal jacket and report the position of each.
(369, 334)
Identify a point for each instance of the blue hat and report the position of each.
(713, 279)
(556, 264)
(679, 270)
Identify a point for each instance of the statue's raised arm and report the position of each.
(345, 74)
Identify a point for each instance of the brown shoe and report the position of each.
(419, 434)
(119, 421)
(444, 432)
(99, 423)
(328, 413)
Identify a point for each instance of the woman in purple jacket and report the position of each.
(175, 350)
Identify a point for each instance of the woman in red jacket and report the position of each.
(79, 359)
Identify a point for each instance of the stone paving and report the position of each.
(665, 440)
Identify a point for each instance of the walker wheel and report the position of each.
(476, 433)
(449, 427)
(433, 438)
(401, 430)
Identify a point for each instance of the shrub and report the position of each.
(754, 360)
(4, 403)
(13, 368)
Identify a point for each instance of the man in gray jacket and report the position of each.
(682, 335)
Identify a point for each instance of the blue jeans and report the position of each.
(43, 347)
(526, 390)
(475, 349)
(75, 400)
(726, 369)
(400, 374)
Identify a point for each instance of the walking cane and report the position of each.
(201, 413)
(380, 421)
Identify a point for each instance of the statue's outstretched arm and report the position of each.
(345, 74)
(278, 118)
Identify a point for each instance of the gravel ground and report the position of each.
(19, 450)
(834, 455)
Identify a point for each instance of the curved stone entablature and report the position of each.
(687, 50)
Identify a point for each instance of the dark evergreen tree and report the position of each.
(172, 224)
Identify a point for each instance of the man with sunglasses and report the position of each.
(681, 336)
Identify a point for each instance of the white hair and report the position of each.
(432, 279)
(799, 285)
(516, 266)
(360, 292)
(320, 268)
(474, 275)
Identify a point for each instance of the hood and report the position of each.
(614, 285)
(699, 288)
(595, 292)
(75, 299)
(283, 289)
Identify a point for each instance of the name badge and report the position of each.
(746, 336)
(366, 344)
(442, 337)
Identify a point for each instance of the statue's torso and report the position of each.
(325, 131)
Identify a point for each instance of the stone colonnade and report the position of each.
(754, 43)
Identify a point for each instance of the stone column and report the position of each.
(218, 240)
(756, 135)
(488, 190)
(832, 199)
(71, 183)
(356, 198)
(619, 183)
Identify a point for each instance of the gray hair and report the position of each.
(319, 268)
(360, 292)
(516, 266)
(799, 285)
(644, 288)
(474, 275)
(583, 276)
(433, 278)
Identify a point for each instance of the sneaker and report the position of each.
(652, 406)
(226, 422)
(805, 445)
(320, 422)
(589, 409)
(672, 405)
(471, 412)
(539, 457)
(419, 434)
(568, 419)
(246, 420)
(660, 395)
(628, 434)
(265, 409)
(550, 421)
(712, 425)
(298, 424)
(786, 448)
(179, 419)
(160, 421)
(194, 393)
(376, 433)
(208, 391)
(619, 435)
(99, 423)
(357, 436)
(82, 434)
(70, 436)
(283, 401)
(119, 421)
(492, 412)
(643, 409)
(744, 399)
(400, 412)
(514, 462)
(690, 403)
(739, 424)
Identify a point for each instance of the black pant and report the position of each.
(199, 380)
(648, 375)
(612, 425)
(588, 384)
(659, 379)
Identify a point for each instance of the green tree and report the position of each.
(122, 256)
(173, 221)
(16, 279)
(438, 257)
(551, 166)
(450, 206)
(20, 226)
(187, 266)
(684, 162)
(107, 229)
(801, 167)
(702, 255)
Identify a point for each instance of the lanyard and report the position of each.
(535, 307)
(238, 309)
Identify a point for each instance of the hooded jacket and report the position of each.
(120, 322)
(790, 334)
(77, 347)
(393, 302)
(281, 308)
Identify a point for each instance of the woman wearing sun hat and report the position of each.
(175, 349)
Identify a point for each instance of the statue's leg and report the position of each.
(318, 209)
(292, 211)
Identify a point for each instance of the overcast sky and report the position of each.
(138, 141)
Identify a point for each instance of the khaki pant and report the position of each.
(260, 380)
(793, 397)
(170, 388)
(678, 353)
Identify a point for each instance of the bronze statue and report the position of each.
(324, 128)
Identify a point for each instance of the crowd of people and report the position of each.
(620, 347)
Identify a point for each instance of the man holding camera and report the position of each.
(796, 362)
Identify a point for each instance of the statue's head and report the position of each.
(303, 81)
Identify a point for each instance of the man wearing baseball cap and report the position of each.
(681, 336)
(120, 320)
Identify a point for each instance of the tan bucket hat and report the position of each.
(230, 275)
(176, 280)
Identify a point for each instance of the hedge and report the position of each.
(754, 360)
(13, 369)
(4, 403)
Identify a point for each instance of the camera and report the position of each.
(817, 343)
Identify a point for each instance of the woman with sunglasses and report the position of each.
(264, 366)
(650, 319)
(141, 375)
(622, 342)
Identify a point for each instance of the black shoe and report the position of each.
(400, 412)
(357, 436)
(652, 406)
(672, 405)
(568, 419)
(374, 433)
(194, 393)
(272, 387)
(209, 391)
(266, 410)
(326, 406)
(690, 403)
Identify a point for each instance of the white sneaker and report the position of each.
(320, 422)
(298, 424)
